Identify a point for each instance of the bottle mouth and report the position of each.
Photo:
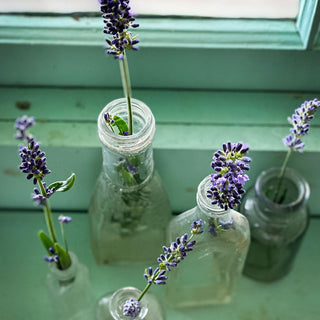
(299, 190)
(204, 202)
(67, 275)
(120, 297)
(143, 126)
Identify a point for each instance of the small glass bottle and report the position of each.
(276, 229)
(110, 306)
(69, 291)
(129, 203)
(210, 273)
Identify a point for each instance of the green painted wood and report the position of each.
(308, 21)
(190, 127)
(23, 275)
(168, 106)
(156, 32)
(178, 68)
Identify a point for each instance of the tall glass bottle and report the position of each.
(210, 274)
(129, 203)
(110, 306)
(69, 291)
(276, 229)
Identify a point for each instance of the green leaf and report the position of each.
(62, 186)
(127, 177)
(46, 241)
(63, 255)
(120, 124)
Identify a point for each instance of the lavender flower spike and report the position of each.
(22, 124)
(300, 122)
(118, 20)
(34, 162)
(131, 308)
(230, 165)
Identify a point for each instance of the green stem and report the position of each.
(63, 236)
(281, 176)
(155, 277)
(125, 77)
(145, 289)
(47, 213)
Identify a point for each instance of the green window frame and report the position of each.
(219, 53)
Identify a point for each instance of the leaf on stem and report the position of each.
(46, 241)
(62, 186)
(64, 258)
(120, 124)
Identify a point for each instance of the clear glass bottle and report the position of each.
(129, 203)
(110, 306)
(70, 292)
(210, 273)
(276, 229)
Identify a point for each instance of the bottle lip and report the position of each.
(120, 296)
(290, 174)
(204, 202)
(67, 274)
(136, 142)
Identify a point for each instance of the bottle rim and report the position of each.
(120, 296)
(204, 202)
(130, 144)
(294, 177)
(67, 274)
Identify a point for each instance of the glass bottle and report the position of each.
(110, 306)
(276, 229)
(129, 203)
(210, 273)
(70, 292)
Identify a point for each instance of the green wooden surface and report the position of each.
(191, 125)
(22, 273)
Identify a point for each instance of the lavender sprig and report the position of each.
(34, 164)
(118, 19)
(230, 165)
(170, 257)
(22, 124)
(300, 122)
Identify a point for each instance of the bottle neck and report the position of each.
(118, 299)
(67, 276)
(128, 160)
(294, 188)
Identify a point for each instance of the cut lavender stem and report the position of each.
(170, 257)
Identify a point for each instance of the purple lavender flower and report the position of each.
(131, 308)
(108, 119)
(39, 197)
(227, 183)
(22, 124)
(34, 162)
(50, 259)
(300, 122)
(197, 227)
(118, 20)
(64, 219)
(156, 277)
